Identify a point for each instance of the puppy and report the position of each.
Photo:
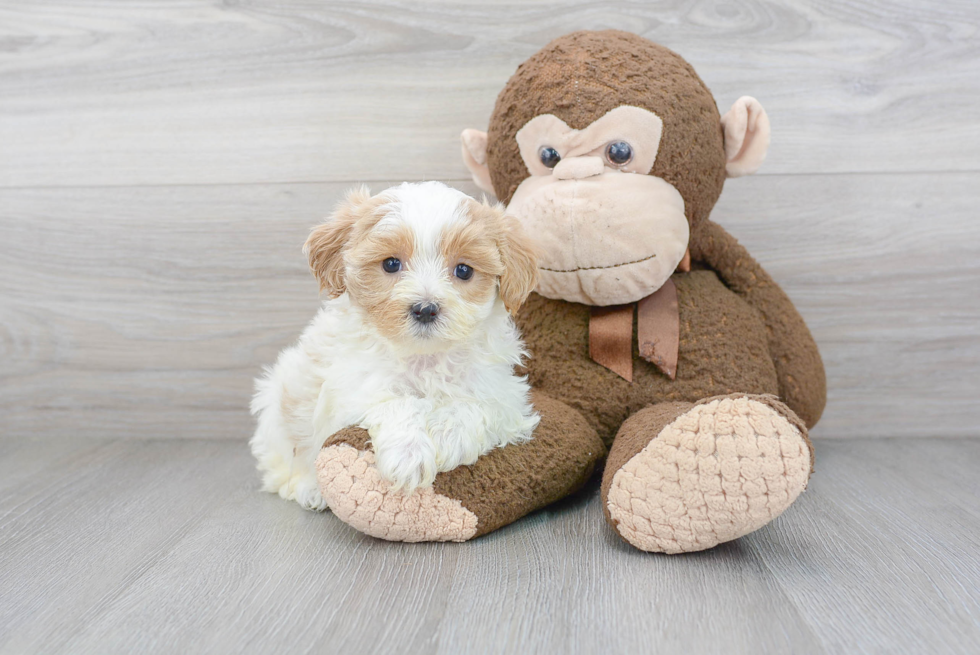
(416, 343)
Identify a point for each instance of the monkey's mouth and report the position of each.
(596, 268)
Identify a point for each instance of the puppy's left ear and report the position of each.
(519, 256)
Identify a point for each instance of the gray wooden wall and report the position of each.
(161, 163)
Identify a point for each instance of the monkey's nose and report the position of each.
(578, 168)
(425, 312)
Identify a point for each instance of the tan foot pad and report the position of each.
(357, 494)
(715, 473)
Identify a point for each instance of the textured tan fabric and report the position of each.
(719, 470)
(360, 497)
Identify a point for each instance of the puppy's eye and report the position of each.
(463, 272)
(391, 265)
(549, 156)
(619, 153)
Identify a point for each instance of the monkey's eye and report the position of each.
(463, 272)
(619, 153)
(391, 265)
(549, 156)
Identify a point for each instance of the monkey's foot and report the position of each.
(359, 496)
(683, 477)
(501, 487)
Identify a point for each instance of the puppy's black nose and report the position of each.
(425, 312)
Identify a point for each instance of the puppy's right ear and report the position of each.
(325, 246)
(519, 255)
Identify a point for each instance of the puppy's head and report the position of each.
(425, 263)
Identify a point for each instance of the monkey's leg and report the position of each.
(501, 487)
(683, 477)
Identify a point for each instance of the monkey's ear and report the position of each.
(325, 245)
(519, 256)
(746, 128)
(475, 157)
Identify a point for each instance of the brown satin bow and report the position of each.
(657, 331)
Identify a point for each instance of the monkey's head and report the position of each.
(611, 151)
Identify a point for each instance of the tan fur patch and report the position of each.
(370, 285)
(520, 257)
(353, 216)
(473, 244)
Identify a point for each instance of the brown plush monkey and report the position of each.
(653, 332)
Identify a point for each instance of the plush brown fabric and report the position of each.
(508, 483)
(723, 349)
(352, 436)
(802, 381)
(581, 76)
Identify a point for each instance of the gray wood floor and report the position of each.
(121, 546)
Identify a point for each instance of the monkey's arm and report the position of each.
(802, 381)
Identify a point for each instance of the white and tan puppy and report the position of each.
(416, 343)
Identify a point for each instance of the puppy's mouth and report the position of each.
(424, 330)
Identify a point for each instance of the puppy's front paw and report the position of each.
(459, 435)
(407, 462)
(307, 494)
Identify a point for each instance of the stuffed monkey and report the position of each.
(659, 348)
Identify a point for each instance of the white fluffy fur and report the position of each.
(430, 402)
